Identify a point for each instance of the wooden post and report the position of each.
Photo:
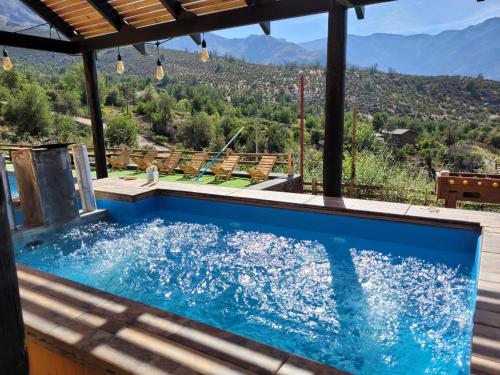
(6, 190)
(94, 105)
(314, 186)
(354, 146)
(302, 131)
(334, 101)
(14, 357)
(290, 163)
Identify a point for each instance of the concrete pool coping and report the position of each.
(486, 334)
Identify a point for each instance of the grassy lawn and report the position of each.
(235, 182)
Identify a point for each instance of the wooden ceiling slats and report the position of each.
(85, 17)
(87, 21)
(146, 16)
(63, 4)
(136, 12)
(90, 25)
(118, 4)
(77, 14)
(96, 27)
(137, 5)
(220, 7)
(55, 3)
(73, 8)
(93, 34)
(153, 21)
(82, 24)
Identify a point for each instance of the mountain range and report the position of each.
(472, 51)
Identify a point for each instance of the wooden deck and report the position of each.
(486, 342)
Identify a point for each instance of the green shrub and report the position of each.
(197, 132)
(65, 130)
(29, 112)
(121, 130)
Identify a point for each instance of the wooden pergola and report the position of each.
(91, 25)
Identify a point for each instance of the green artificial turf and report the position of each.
(234, 182)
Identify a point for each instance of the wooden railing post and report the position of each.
(314, 186)
(14, 357)
(290, 163)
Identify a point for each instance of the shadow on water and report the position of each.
(352, 306)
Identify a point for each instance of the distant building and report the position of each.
(399, 137)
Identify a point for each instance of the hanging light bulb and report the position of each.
(120, 68)
(204, 50)
(159, 71)
(159, 67)
(7, 64)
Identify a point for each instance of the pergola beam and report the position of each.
(51, 17)
(360, 9)
(265, 25)
(38, 43)
(267, 10)
(177, 11)
(360, 12)
(109, 13)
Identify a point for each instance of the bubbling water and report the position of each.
(358, 309)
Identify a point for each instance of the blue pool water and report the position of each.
(366, 296)
(13, 184)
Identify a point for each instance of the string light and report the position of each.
(204, 50)
(159, 67)
(120, 68)
(7, 64)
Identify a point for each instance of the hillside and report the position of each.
(455, 98)
(469, 52)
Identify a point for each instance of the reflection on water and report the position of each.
(357, 308)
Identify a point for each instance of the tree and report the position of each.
(29, 112)
(65, 130)
(12, 79)
(121, 130)
(115, 98)
(380, 121)
(462, 158)
(197, 132)
(276, 137)
(163, 114)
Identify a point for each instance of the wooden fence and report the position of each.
(376, 192)
(285, 161)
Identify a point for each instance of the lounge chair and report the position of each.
(226, 168)
(142, 162)
(192, 168)
(121, 160)
(168, 166)
(263, 169)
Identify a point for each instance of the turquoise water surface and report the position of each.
(13, 184)
(366, 296)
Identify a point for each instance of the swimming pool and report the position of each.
(367, 296)
(13, 184)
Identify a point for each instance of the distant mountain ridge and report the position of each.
(470, 52)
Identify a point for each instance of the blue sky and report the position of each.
(398, 17)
